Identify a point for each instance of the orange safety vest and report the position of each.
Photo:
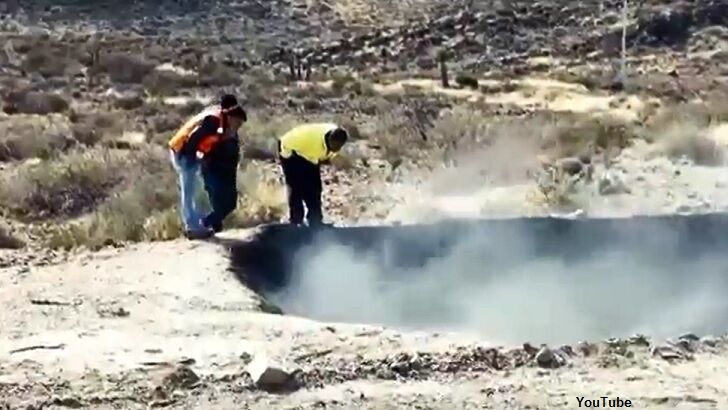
(205, 145)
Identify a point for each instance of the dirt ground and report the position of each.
(167, 325)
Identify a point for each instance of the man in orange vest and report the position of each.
(199, 141)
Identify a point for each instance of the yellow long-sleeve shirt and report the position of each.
(308, 141)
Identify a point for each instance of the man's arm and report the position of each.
(327, 160)
(209, 126)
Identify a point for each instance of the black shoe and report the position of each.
(199, 234)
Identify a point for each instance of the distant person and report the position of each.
(302, 151)
(203, 139)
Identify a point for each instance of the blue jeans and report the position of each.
(189, 184)
(223, 194)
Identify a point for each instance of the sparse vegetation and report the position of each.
(8, 240)
(84, 151)
(34, 102)
(466, 80)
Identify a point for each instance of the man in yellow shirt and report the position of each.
(302, 151)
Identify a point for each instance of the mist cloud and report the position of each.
(495, 284)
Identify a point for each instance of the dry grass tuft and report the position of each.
(217, 75)
(26, 101)
(48, 59)
(23, 137)
(576, 135)
(165, 82)
(8, 240)
(141, 208)
(123, 68)
(263, 198)
(91, 128)
(690, 140)
(67, 186)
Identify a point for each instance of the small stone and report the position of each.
(587, 349)
(548, 358)
(181, 378)
(689, 336)
(570, 165)
(268, 377)
(530, 349)
(611, 184)
(667, 353)
(639, 340)
(70, 402)
(710, 341)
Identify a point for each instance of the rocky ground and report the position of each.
(165, 325)
(534, 120)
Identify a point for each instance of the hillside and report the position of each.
(457, 108)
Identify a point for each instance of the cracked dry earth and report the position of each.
(167, 325)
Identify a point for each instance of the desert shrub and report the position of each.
(34, 102)
(466, 80)
(23, 137)
(217, 75)
(45, 61)
(190, 108)
(145, 208)
(66, 186)
(129, 102)
(89, 129)
(8, 240)
(168, 122)
(166, 82)
(713, 109)
(340, 80)
(124, 68)
(142, 208)
(458, 127)
(689, 140)
(262, 198)
(578, 135)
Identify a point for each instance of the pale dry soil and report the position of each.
(108, 327)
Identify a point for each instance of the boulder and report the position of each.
(549, 358)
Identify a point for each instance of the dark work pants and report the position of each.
(304, 186)
(223, 195)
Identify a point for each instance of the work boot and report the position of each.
(198, 234)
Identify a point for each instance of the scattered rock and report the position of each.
(269, 377)
(530, 349)
(588, 349)
(690, 337)
(70, 402)
(612, 184)
(550, 359)
(669, 353)
(639, 340)
(181, 378)
(111, 310)
(710, 341)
